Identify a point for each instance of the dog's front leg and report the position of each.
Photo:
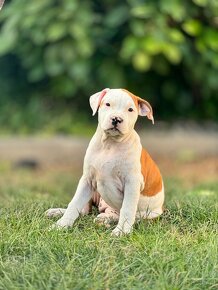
(81, 198)
(128, 209)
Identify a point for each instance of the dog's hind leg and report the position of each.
(87, 208)
(148, 214)
(107, 214)
(58, 212)
(93, 202)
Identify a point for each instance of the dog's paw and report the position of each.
(54, 227)
(102, 219)
(62, 224)
(118, 232)
(54, 212)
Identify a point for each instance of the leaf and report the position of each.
(142, 61)
(78, 70)
(175, 8)
(200, 45)
(172, 53)
(117, 16)
(77, 30)
(56, 31)
(210, 37)
(85, 47)
(53, 63)
(151, 45)
(176, 36)
(201, 3)
(130, 45)
(192, 27)
(138, 28)
(7, 43)
(37, 73)
(67, 52)
(143, 11)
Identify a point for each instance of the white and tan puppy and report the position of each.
(116, 166)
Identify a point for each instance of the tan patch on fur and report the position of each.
(134, 98)
(138, 101)
(151, 174)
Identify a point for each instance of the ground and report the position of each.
(177, 251)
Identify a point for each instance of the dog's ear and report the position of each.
(95, 100)
(145, 109)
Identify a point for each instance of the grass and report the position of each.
(177, 251)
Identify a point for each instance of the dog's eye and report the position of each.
(108, 104)
(130, 110)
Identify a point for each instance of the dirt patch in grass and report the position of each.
(188, 154)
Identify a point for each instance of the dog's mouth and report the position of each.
(113, 130)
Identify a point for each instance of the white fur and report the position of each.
(112, 167)
(151, 207)
(55, 212)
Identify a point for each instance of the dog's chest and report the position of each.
(106, 165)
(107, 173)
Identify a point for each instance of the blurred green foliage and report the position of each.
(62, 51)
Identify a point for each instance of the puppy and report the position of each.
(118, 174)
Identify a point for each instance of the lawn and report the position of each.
(177, 251)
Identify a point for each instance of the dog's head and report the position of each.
(118, 110)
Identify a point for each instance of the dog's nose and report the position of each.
(116, 120)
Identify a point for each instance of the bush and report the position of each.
(165, 51)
